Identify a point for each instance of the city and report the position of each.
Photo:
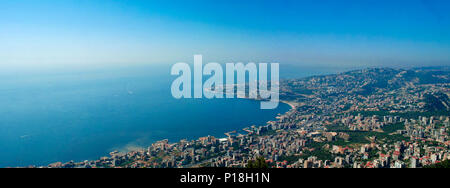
(370, 118)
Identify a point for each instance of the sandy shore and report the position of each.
(291, 104)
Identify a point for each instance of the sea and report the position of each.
(78, 115)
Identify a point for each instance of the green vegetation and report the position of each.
(320, 153)
(428, 77)
(290, 159)
(445, 164)
(337, 127)
(362, 137)
(347, 107)
(373, 154)
(391, 128)
(432, 143)
(237, 147)
(260, 162)
(436, 102)
(268, 132)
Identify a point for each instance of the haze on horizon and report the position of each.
(55, 33)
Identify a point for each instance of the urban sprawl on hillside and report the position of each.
(371, 118)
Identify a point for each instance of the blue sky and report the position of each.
(51, 33)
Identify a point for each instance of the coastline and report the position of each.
(291, 104)
(143, 148)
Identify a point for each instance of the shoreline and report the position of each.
(142, 148)
(291, 104)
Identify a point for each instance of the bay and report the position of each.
(64, 116)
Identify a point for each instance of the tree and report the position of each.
(445, 164)
(260, 162)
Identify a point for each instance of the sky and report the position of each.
(65, 33)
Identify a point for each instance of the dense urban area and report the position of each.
(371, 118)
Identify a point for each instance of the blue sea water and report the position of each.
(45, 118)
(84, 115)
